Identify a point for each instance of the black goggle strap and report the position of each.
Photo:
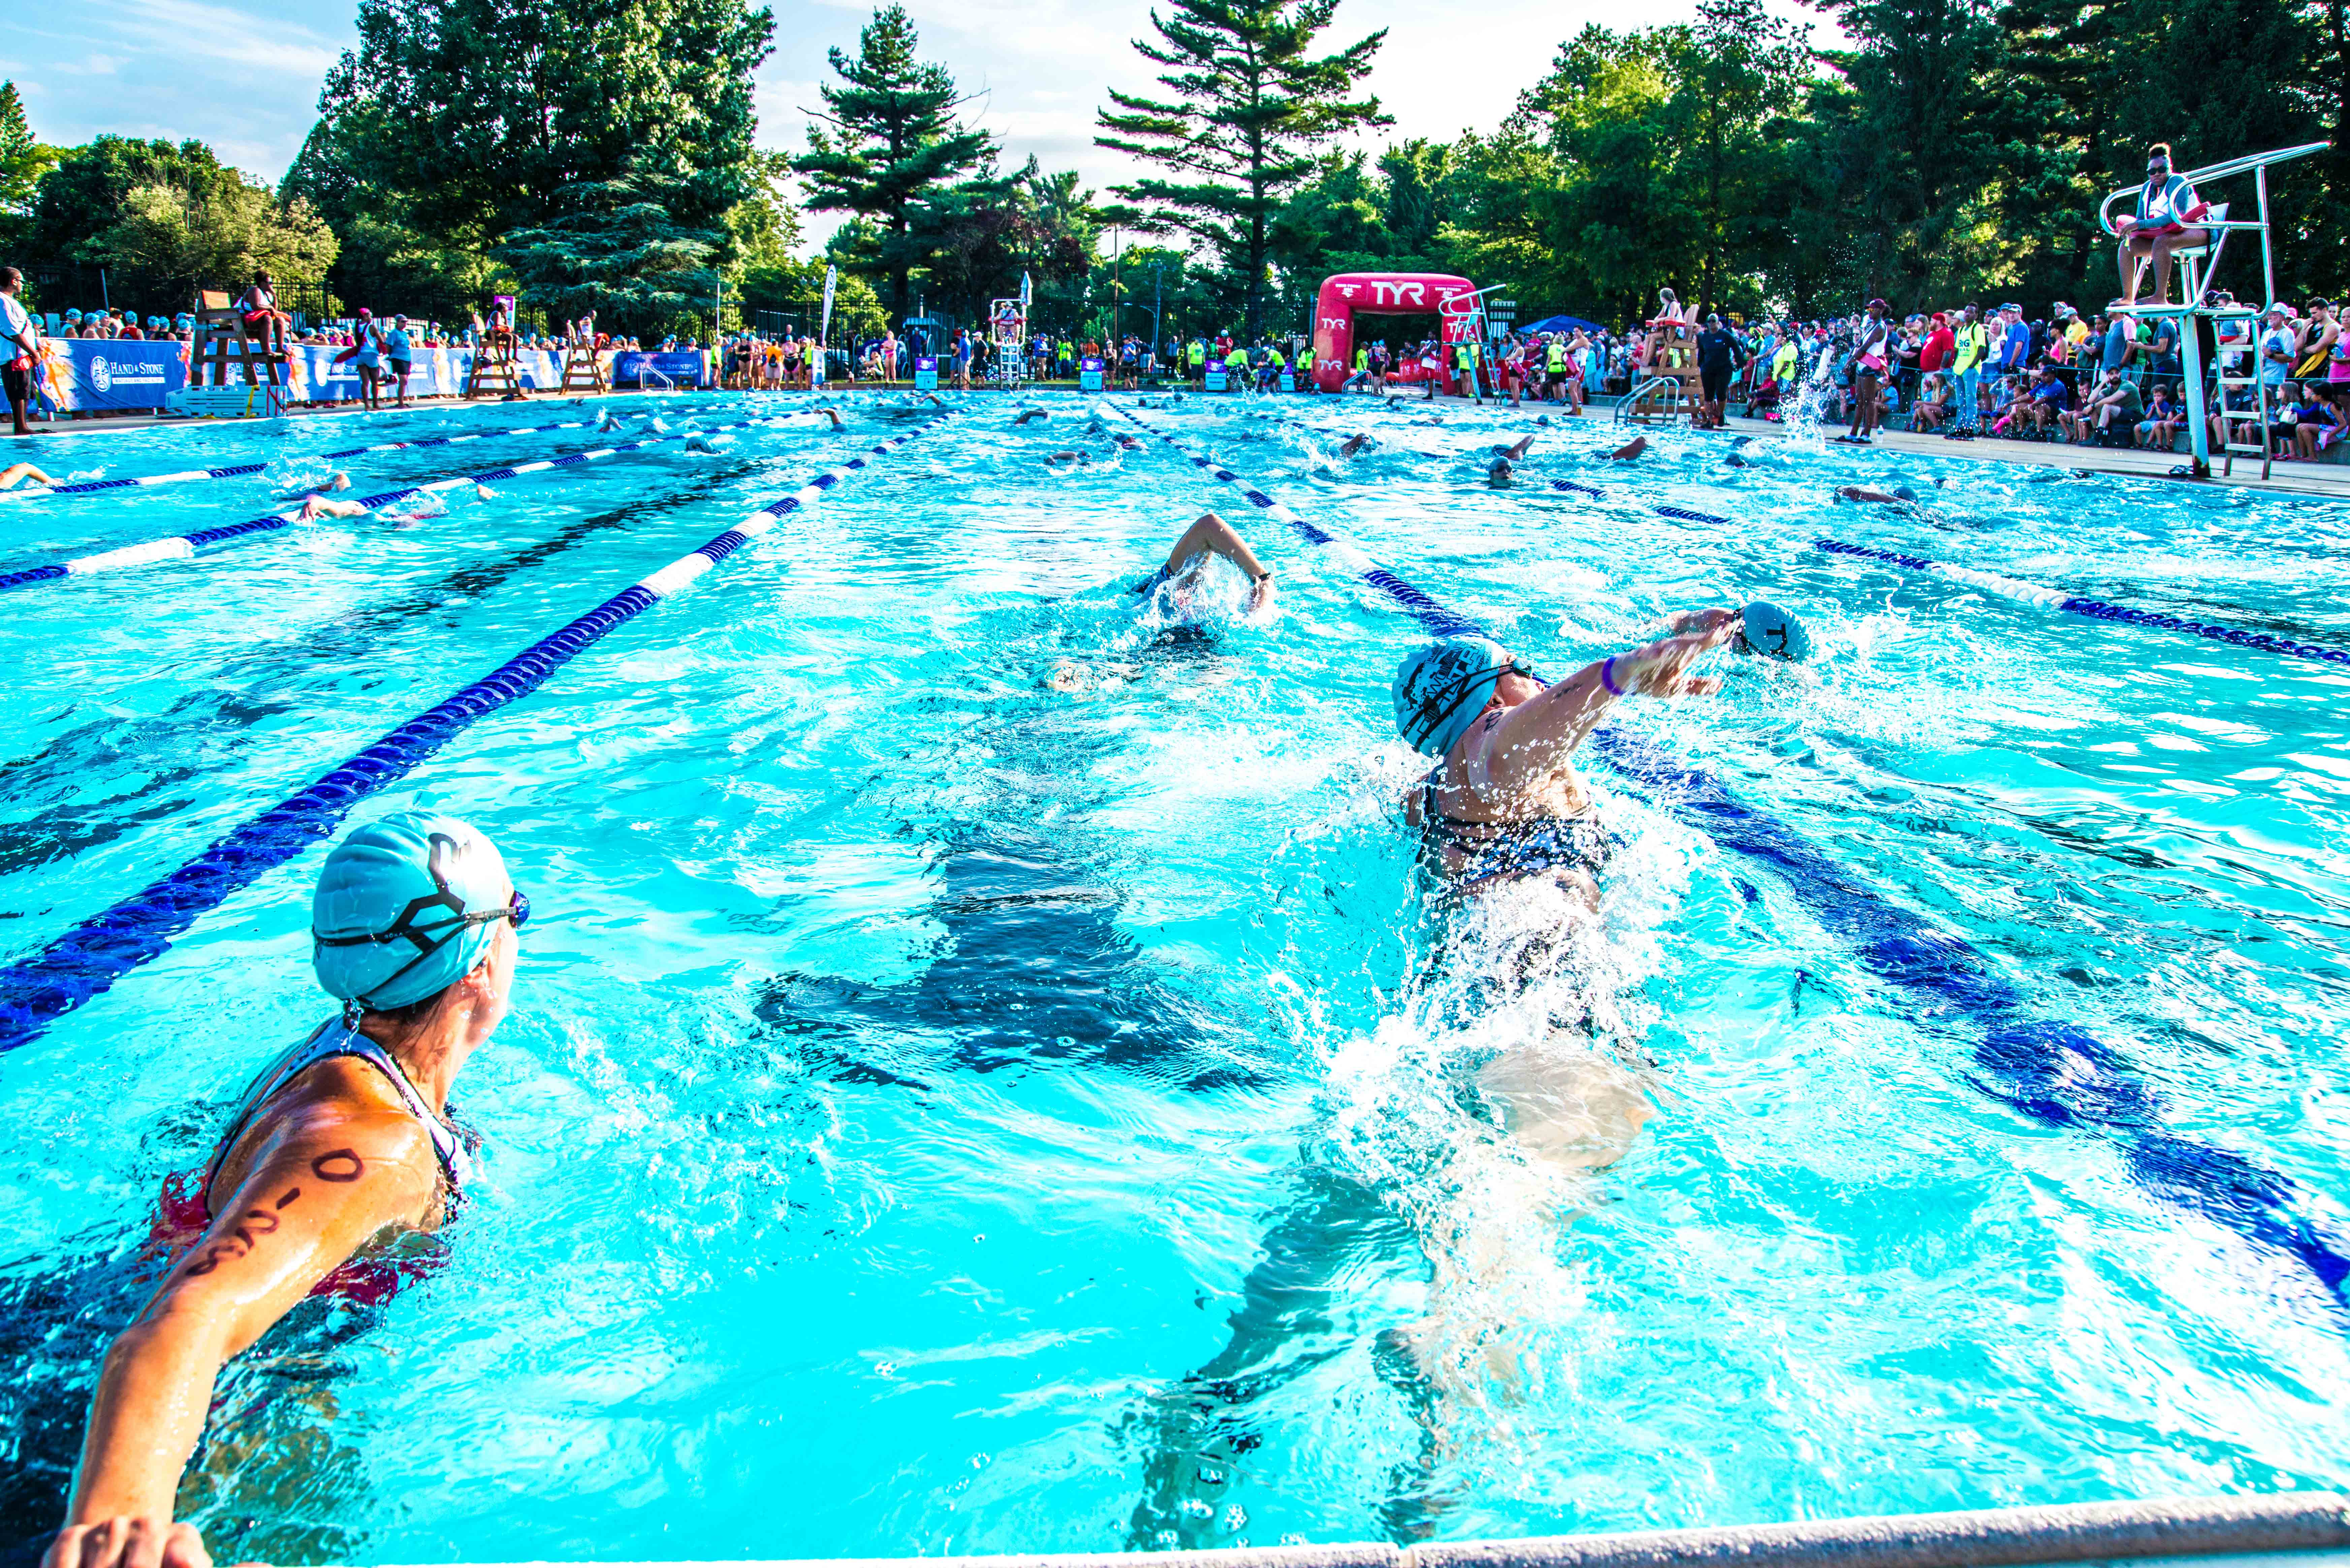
(407, 928)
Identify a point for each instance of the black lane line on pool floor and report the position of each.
(83, 963)
(2057, 1073)
(181, 546)
(155, 747)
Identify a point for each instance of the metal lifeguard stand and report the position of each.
(1463, 320)
(2198, 303)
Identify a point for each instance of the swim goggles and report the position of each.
(430, 936)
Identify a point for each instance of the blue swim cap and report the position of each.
(1772, 631)
(1441, 687)
(406, 907)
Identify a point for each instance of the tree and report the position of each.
(1249, 103)
(594, 149)
(894, 146)
(23, 161)
(164, 220)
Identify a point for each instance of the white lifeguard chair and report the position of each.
(1464, 316)
(2199, 302)
(1007, 337)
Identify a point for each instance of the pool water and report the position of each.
(987, 1075)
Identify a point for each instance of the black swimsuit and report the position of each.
(1491, 851)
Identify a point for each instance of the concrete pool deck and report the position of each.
(2284, 1530)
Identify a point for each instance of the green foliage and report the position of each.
(895, 155)
(165, 221)
(594, 150)
(23, 161)
(1249, 104)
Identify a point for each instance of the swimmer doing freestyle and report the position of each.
(1504, 806)
(1182, 576)
(338, 1152)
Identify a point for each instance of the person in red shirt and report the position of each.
(1941, 343)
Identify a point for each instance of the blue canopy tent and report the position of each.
(1560, 324)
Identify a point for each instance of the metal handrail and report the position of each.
(1653, 383)
(2215, 171)
(647, 368)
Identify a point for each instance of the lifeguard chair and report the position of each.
(497, 366)
(583, 369)
(2201, 307)
(1669, 387)
(220, 343)
(1007, 332)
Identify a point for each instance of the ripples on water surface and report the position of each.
(944, 1113)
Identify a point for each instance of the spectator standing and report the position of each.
(368, 349)
(2278, 346)
(1970, 344)
(1717, 360)
(398, 357)
(20, 350)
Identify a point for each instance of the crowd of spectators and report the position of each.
(2085, 378)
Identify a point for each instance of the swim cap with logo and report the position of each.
(1769, 629)
(405, 908)
(1441, 687)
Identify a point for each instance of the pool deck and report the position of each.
(2330, 481)
(2281, 1530)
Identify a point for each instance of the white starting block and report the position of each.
(226, 402)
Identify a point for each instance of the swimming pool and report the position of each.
(944, 1112)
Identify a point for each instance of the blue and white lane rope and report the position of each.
(2096, 610)
(36, 990)
(2030, 593)
(2057, 1073)
(180, 547)
(246, 469)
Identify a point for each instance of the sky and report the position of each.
(245, 77)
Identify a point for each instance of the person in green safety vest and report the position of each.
(1464, 362)
(1555, 370)
(1197, 354)
(1236, 368)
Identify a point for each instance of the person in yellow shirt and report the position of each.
(1973, 345)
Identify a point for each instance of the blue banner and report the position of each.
(686, 366)
(87, 375)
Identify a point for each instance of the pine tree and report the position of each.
(23, 161)
(894, 145)
(1250, 104)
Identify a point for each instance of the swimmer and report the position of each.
(653, 422)
(1024, 415)
(606, 420)
(698, 441)
(317, 506)
(340, 1149)
(1901, 495)
(834, 415)
(1629, 450)
(17, 473)
(1356, 445)
(1082, 460)
(483, 491)
(1208, 536)
(336, 480)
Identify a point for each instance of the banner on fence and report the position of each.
(104, 375)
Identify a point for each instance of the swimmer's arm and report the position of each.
(315, 1193)
(1534, 739)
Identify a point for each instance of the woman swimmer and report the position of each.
(336, 1151)
(1182, 576)
(1505, 804)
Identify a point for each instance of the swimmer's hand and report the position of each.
(1701, 620)
(1661, 669)
(127, 1541)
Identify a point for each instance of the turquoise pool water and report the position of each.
(948, 1113)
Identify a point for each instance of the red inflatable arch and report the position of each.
(1351, 294)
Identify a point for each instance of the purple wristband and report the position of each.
(1608, 679)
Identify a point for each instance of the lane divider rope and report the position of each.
(181, 546)
(86, 961)
(2096, 610)
(246, 469)
(2056, 1073)
(2030, 593)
